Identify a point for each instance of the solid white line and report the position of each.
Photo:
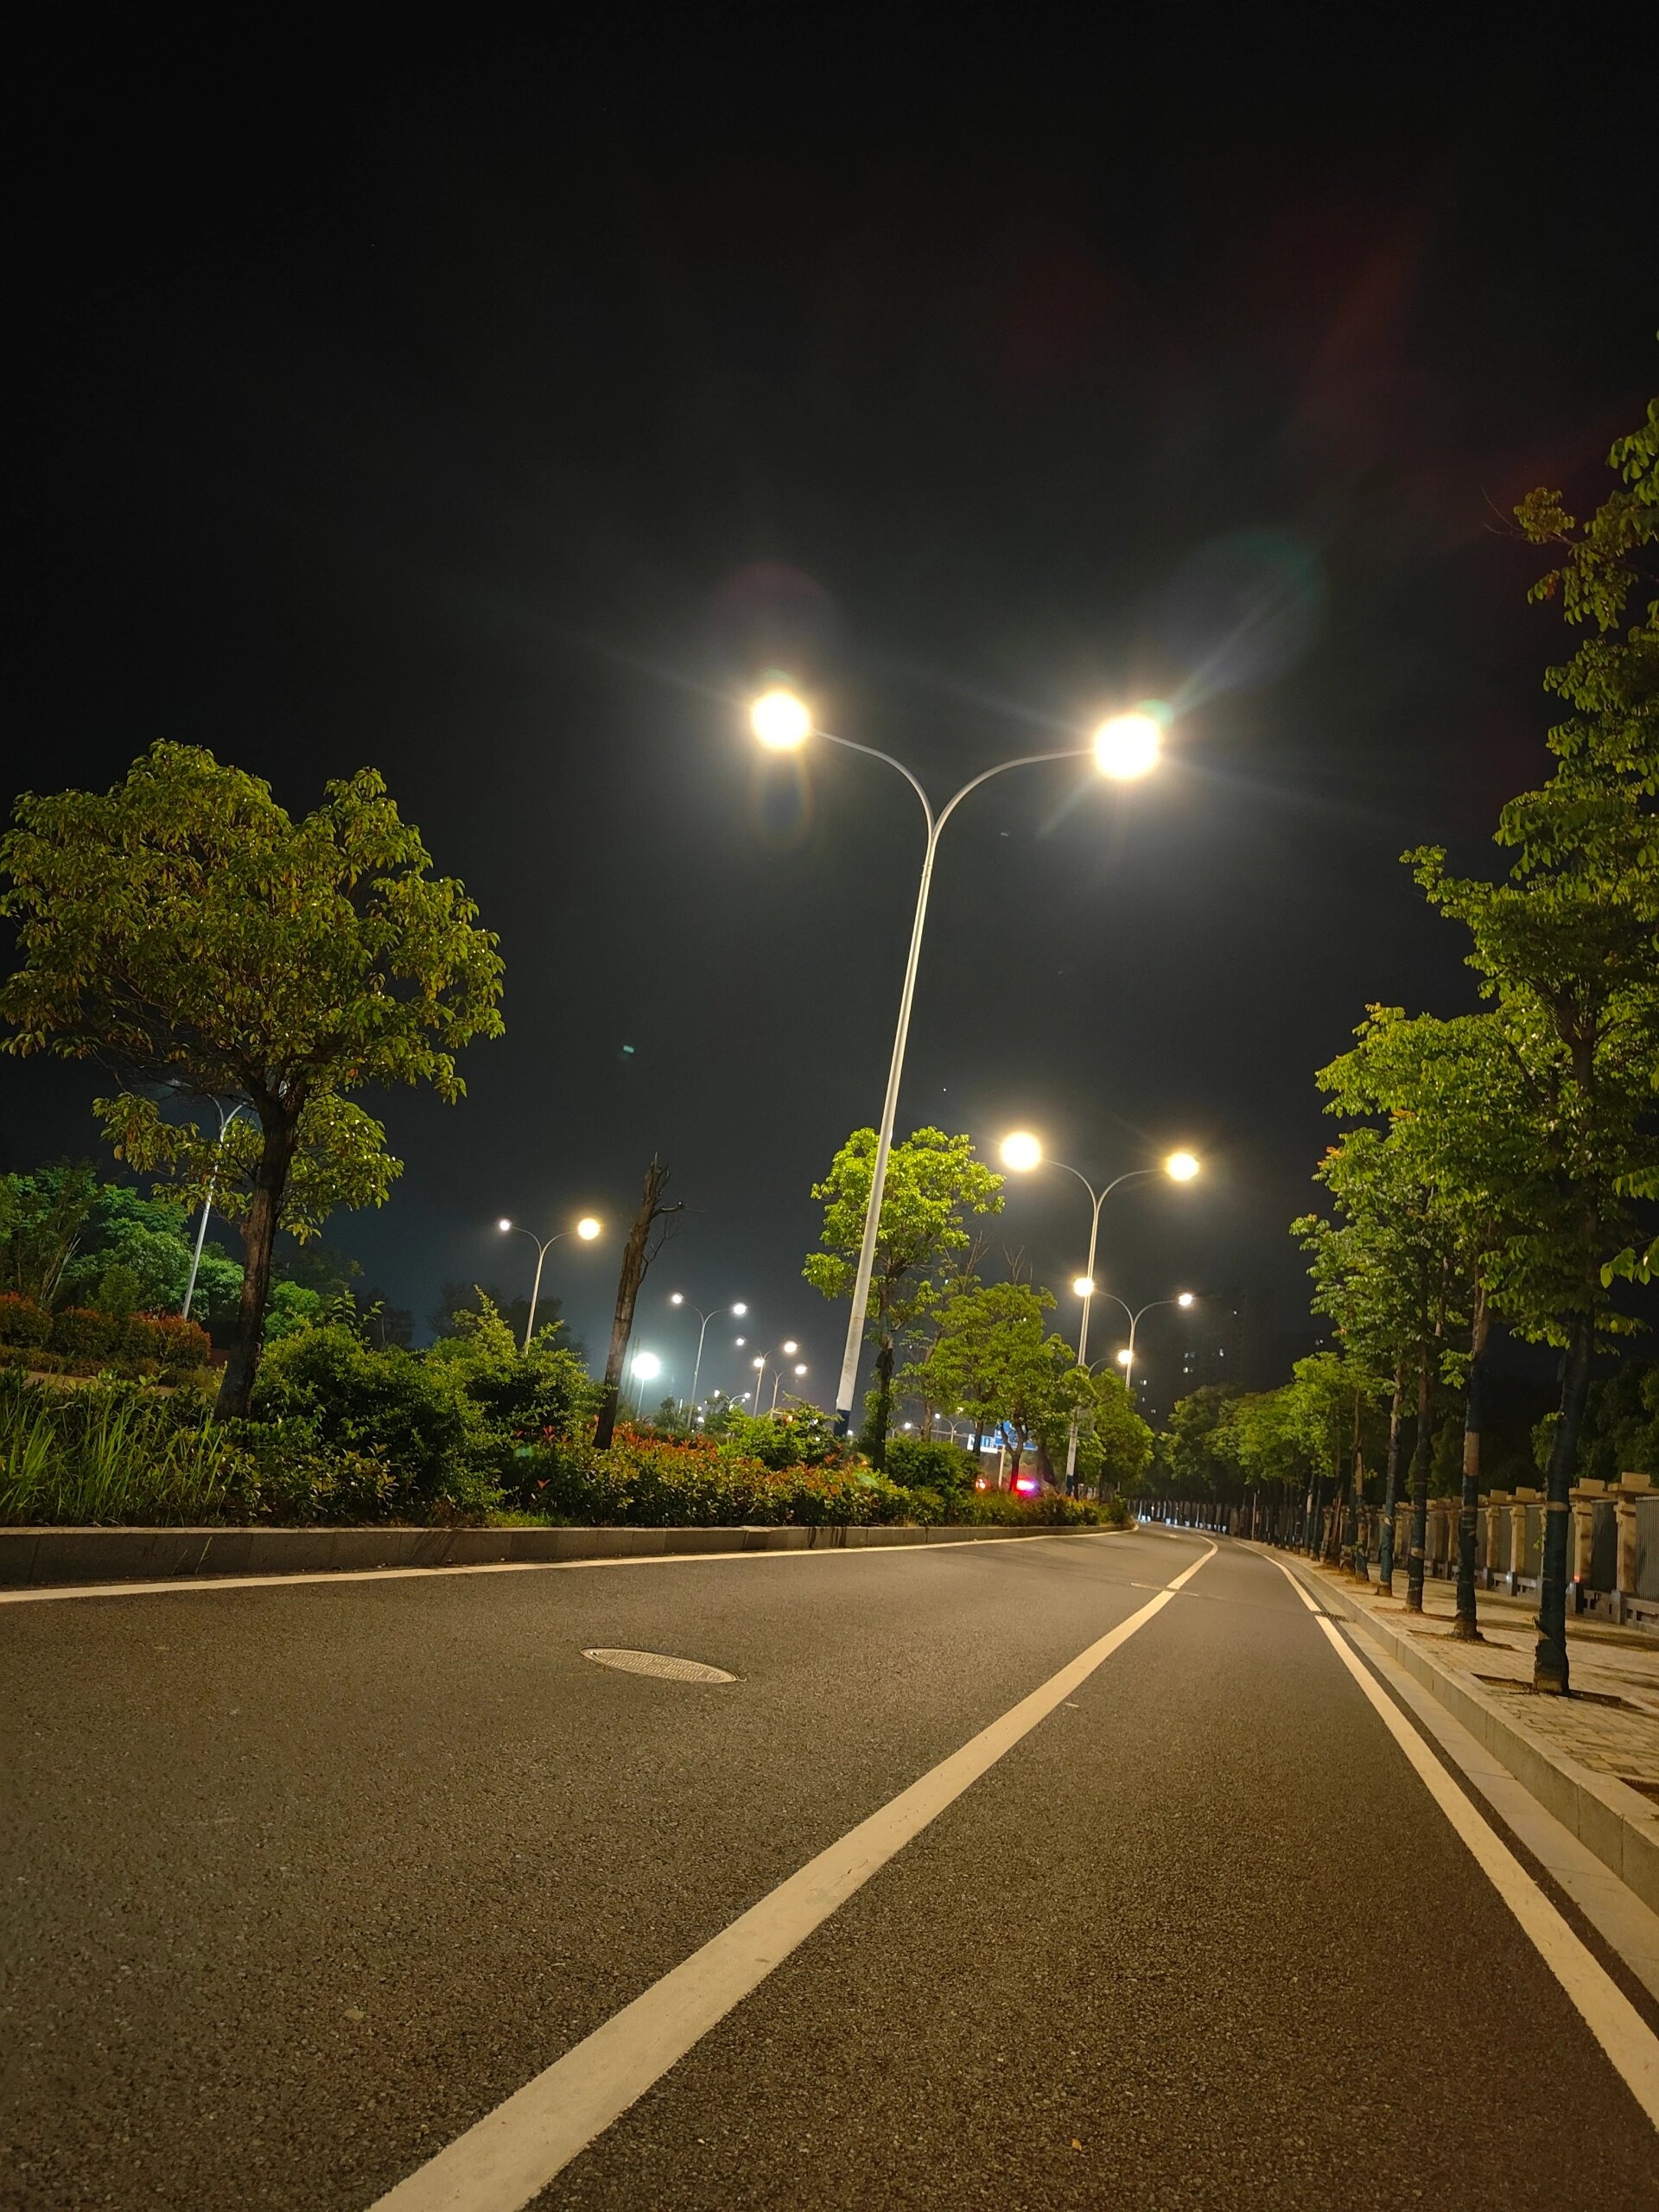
(512, 2153)
(1617, 2025)
(49, 1591)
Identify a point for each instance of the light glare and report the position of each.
(1127, 746)
(1186, 1298)
(1082, 1286)
(586, 1228)
(504, 1224)
(646, 1366)
(779, 720)
(1021, 1150)
(1181, 1167)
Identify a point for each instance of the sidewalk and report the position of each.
(1591, 1759)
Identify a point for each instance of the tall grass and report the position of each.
(110, 1452)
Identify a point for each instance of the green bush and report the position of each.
(86, 1334)
(395, 1408)
(1004, 1508)
(930, 1463)
(648, 1482)
(172, 1343)
(542, 1395)
(806, 1438)
(23, 1321)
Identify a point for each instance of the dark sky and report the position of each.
(493, 415)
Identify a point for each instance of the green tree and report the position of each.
(1114, 1446)
(935, 1185)
(1567, 947)
(43, 1219)
(1196, 1447)
(183, 926)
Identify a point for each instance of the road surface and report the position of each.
(305, 1882)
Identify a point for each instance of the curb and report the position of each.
(1615, 1823)
(38, 1558)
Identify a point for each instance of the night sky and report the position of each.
(495, 417)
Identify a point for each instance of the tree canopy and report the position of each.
(185, 929)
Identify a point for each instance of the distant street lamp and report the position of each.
(678, 1298)
(586, 1228)
(1021, 1151)
(778, 1378)
(1124, 747)
(224, 1121)
(1126, 1356)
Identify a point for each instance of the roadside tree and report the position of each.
(185, 929)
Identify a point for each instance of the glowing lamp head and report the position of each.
(740, 1342)
(791, 1347)
(676, 1298)
(780, 722)
(1186, 1298)
(1125, 1356)
(1021, 1151)
(646, 1366)
(504, 1224)
(740, 1309)
(1082, 1286)
(1127, 746)
(759, 1362)
(800, 1368)
(1181, 1167)
(586, 1228)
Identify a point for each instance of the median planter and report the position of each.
(39, 1559)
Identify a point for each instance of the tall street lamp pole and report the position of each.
(1022, 1151)
(1124, 747)
(678, 1298)
(224, 1121)
(586, 1228)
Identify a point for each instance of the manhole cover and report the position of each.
(659, 1663)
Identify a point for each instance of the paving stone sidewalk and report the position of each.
(1611, 1722)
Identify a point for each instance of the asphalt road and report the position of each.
(302, 1882)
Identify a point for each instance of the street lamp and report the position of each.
(1126, 1356)
(777, 1380)
(1123, 747)
(677, 1298)
(586, 1228)
(1021, 1151)
(224, 1121)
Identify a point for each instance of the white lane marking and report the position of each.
(1624, 2035)
(511, 2154)
(49, 1591)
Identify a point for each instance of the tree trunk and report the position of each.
(1465, 1626)
(878, 1418)
(1417, 1559)
(279, 1135)
(1549, 1667)
(636, 1258)
(1391, 1483)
